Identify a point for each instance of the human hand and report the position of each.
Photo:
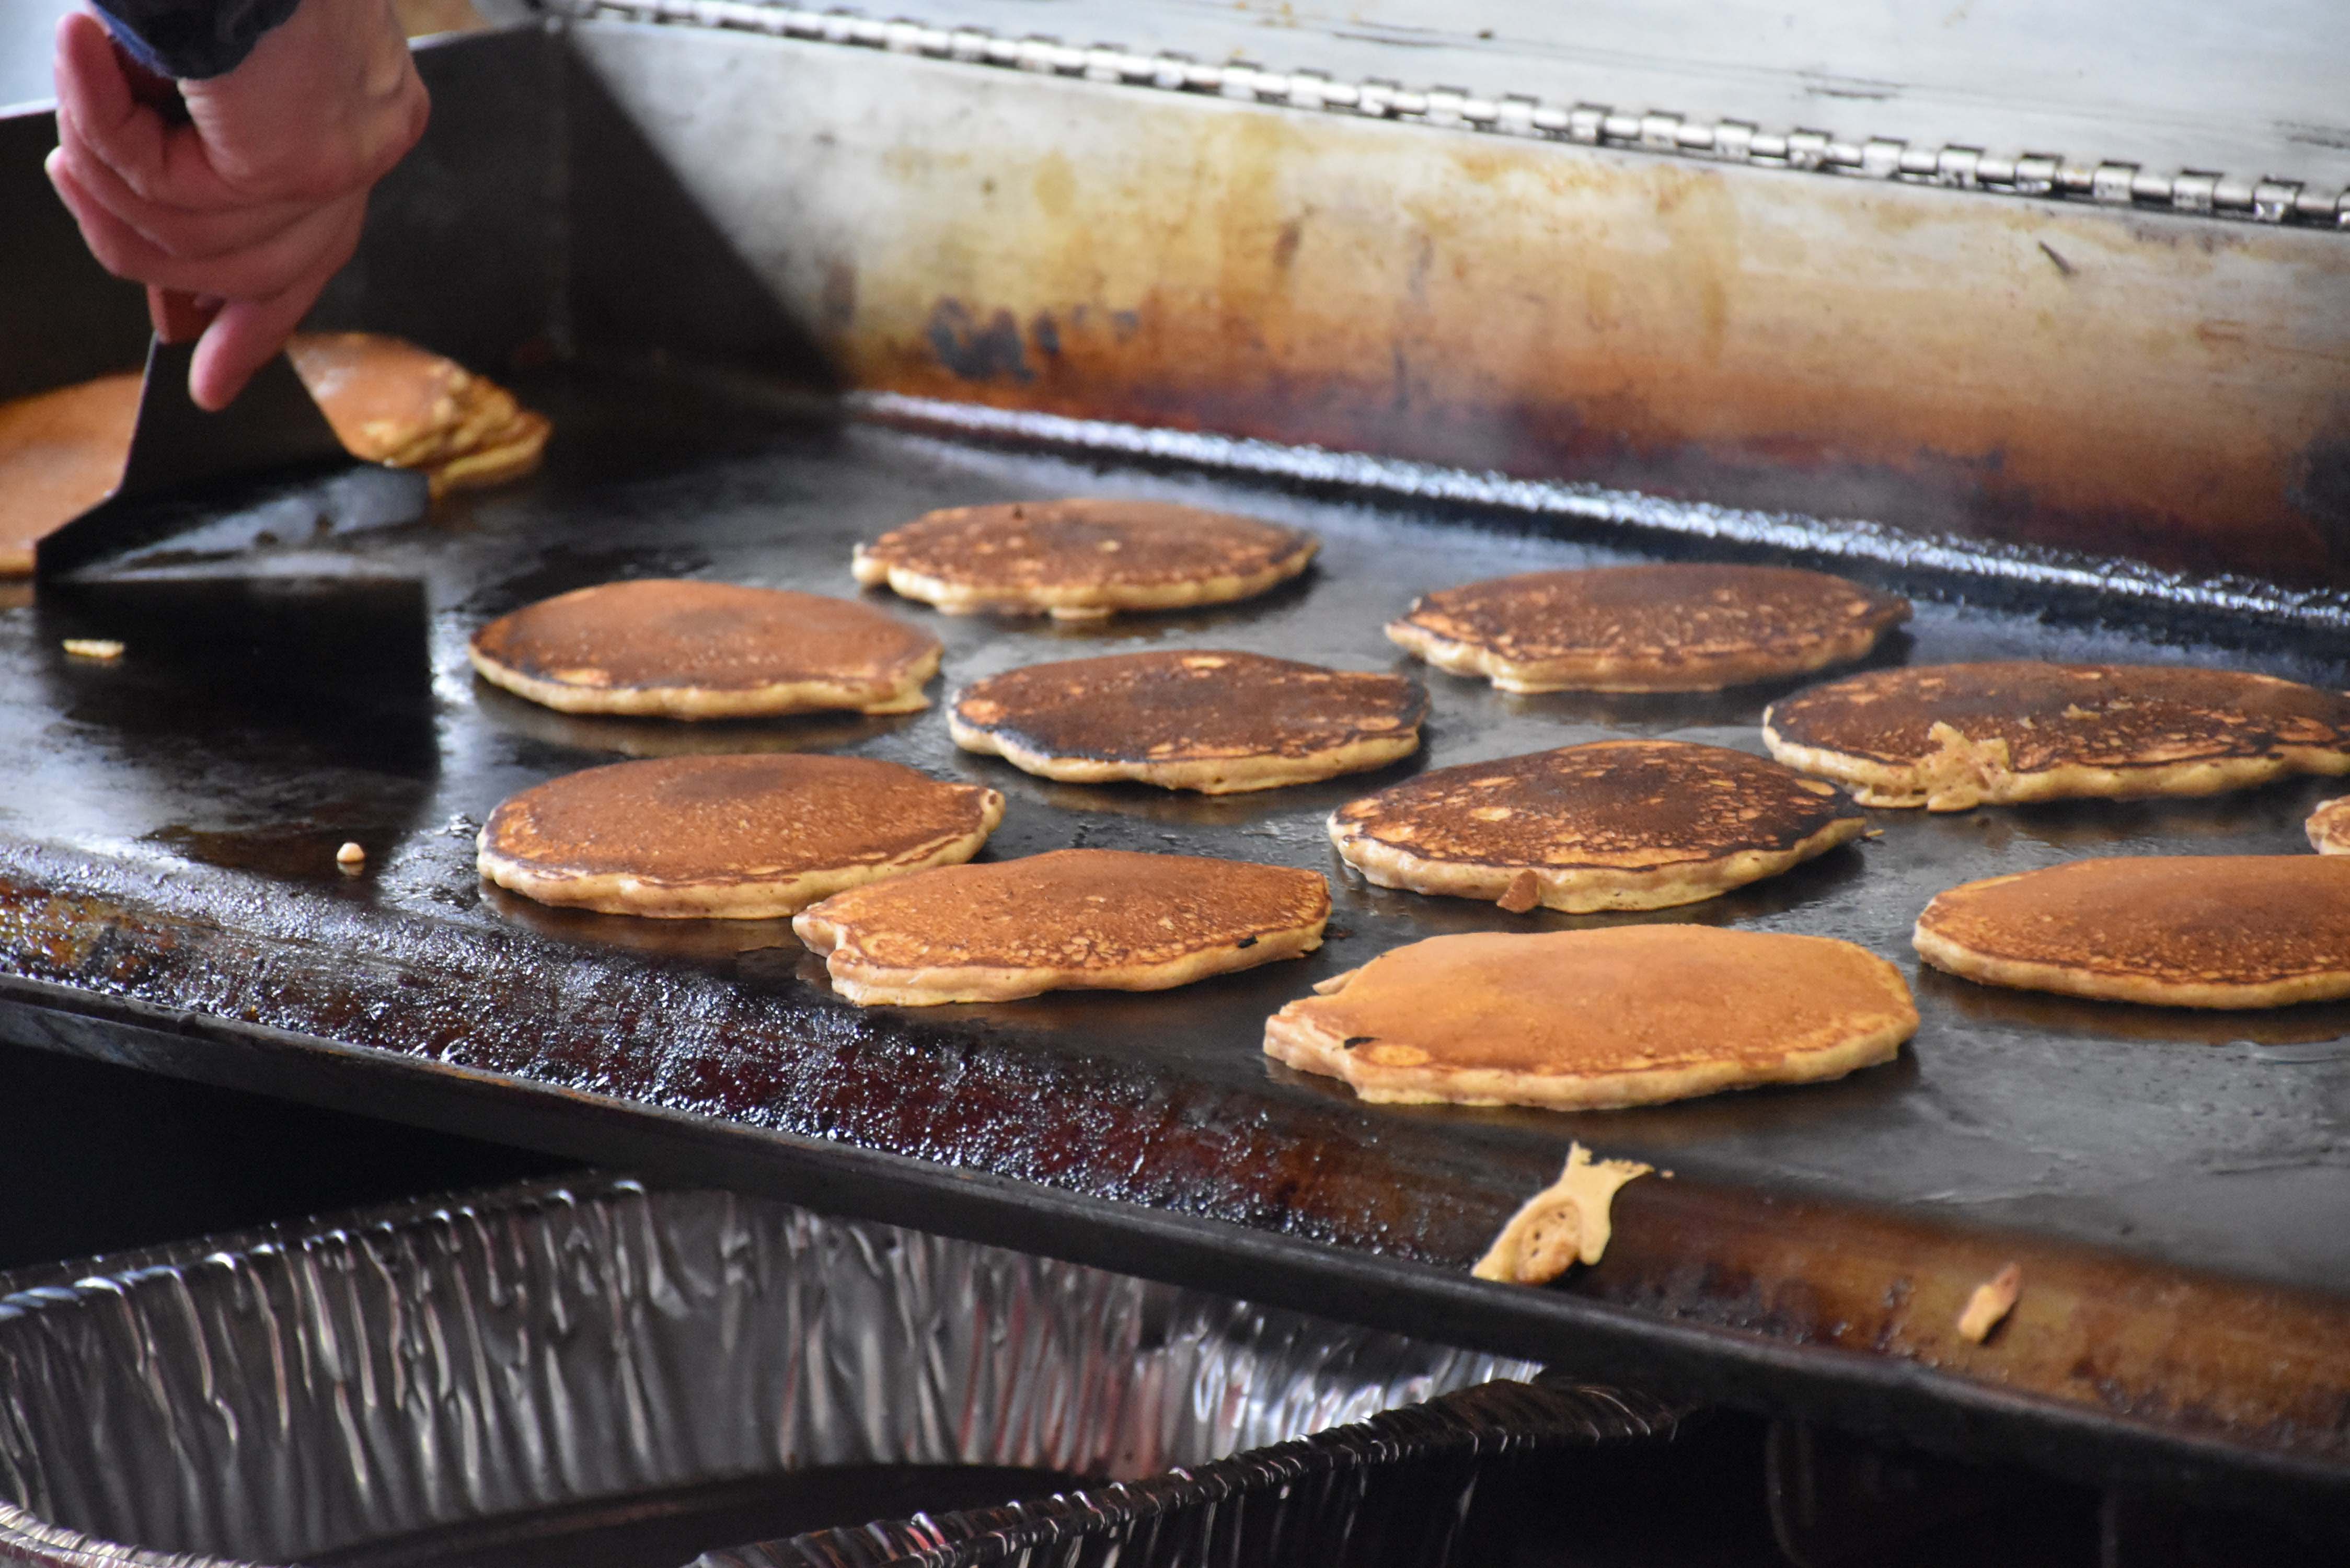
(256, 201)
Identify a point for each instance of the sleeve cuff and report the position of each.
(192, 39)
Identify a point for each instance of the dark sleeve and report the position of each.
(192, 38)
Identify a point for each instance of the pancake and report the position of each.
(2329, 827)
(1670, 628)
(1612, 825)
(2176, 930)
(1587, 1019)
(60, 455)
(1100, 920)
(1077, 560)
(1211, 720)
(745, 839)
(392, 401)
(61, 452)
(1951, 736)
(683, 649)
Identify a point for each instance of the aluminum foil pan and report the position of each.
(313, 1388)
(1394, 1490)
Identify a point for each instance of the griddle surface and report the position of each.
(192, 800)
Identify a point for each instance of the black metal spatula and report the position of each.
(267, 469)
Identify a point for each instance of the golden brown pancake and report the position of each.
(1207, 720)
(685, 649)
(2329, 827)
(2177, 930)
(1099, 919)
(61, 452)
(1669, 627)
(1078, 560)
(1612, 825)
(392, 401)
(1587, 1019)
(1951, 736)
(745, 839)
(60, 455)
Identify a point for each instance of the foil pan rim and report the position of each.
(600, 1304)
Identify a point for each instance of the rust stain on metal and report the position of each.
(2197, 1352)
(1887, 352)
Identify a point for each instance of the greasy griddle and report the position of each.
(169, 897)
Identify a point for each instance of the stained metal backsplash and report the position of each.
(2171, 388)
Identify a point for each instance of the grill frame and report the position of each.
(258, 978)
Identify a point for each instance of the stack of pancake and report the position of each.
(393, 402)
(61, 452)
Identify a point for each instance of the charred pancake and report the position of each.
(392, 401)
(1587, 1019)
(60, 455)
(1207, 720)
(61, 452)
(1670, 628)
(2177, 930)
(1101, 920)
(1951, 736)
(2329, 827)
(1076, 560)
(745, 839)
(1613, 825)
(705, 651)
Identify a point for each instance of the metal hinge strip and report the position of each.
(2048, 175)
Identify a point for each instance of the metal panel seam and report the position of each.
(2257, 198)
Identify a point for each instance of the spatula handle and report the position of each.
(179, 317)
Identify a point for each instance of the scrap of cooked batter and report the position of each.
(1990, 1303)
(1566, 1223)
